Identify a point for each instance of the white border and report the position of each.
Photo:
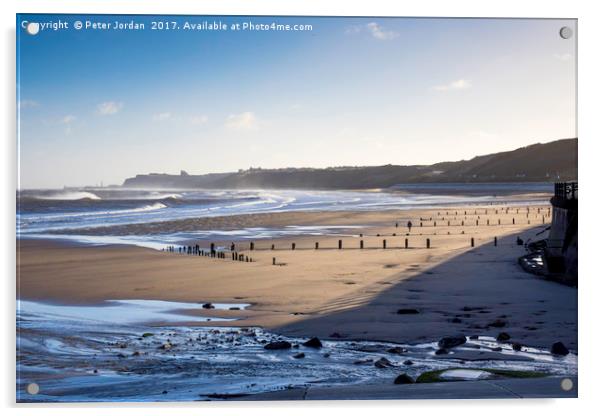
(589, 126)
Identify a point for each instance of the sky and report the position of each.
(96, 106)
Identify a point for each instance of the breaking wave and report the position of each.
(67, 196)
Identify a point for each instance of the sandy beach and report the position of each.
(350, 292)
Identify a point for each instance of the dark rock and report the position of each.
(234, 308)
(383, 363)
(456, 321)
(362, 362)
(473, 337)
(278, 345)
(503, 336)
(517, 347)
(313, 343)
(408, 362)
(558, 348)
(397, 350)
(326, 355)
(451, 342)
(441, 351)
(407, 311)
(208, 306)
(496, 349)
(300, 355)
(403, 379)
(498, 323)
(335, 335)
(120, 355)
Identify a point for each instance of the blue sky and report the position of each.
(100, 106)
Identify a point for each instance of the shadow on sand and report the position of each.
(481, 292)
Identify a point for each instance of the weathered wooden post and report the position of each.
(488, 222)
(513, 221)
(384, 243)
(273, 261)
(477, 222)
(495, 241)
(361, 244)
(428, 243)
(462, 223)
(448, 223)
(293, 246)
(499, 221)
(406, 243)
(421, 223)
(317, 245)
(472, 241)
(340, 244)
(252, 246)
(434, 223)
(273, 247)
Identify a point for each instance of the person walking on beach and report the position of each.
(409, 226)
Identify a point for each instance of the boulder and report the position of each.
(383, 363)
(278, 345)
(498, 323)
(407, 311)
(403, 379)
(408, 362)
(441, 351)
(313, 343)
(300, 355)
(558, 348)
(208, 306)
(503, 336)
(397, 350)
(517, 347)
(473, 337)
(452, 341)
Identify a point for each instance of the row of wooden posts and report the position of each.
(507, 210)
(212, 252)
(465, 223)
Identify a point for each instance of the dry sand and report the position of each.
(353, 292)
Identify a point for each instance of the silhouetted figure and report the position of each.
(409, 226)
(232, 247)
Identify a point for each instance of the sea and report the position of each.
(74, 211)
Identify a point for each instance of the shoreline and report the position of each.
(316, 292)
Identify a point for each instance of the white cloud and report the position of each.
(162, 116)
(380, 33)
(109, 108)
(242, 121)
(376, 30)
(460, 84)
(198, 119)
(68, 119)
(563, 56)
(28, 104)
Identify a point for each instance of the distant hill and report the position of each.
(554, 161)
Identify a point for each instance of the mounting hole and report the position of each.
(566, 384)
(33, 388)
(566, 32)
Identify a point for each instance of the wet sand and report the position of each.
(353, 292)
